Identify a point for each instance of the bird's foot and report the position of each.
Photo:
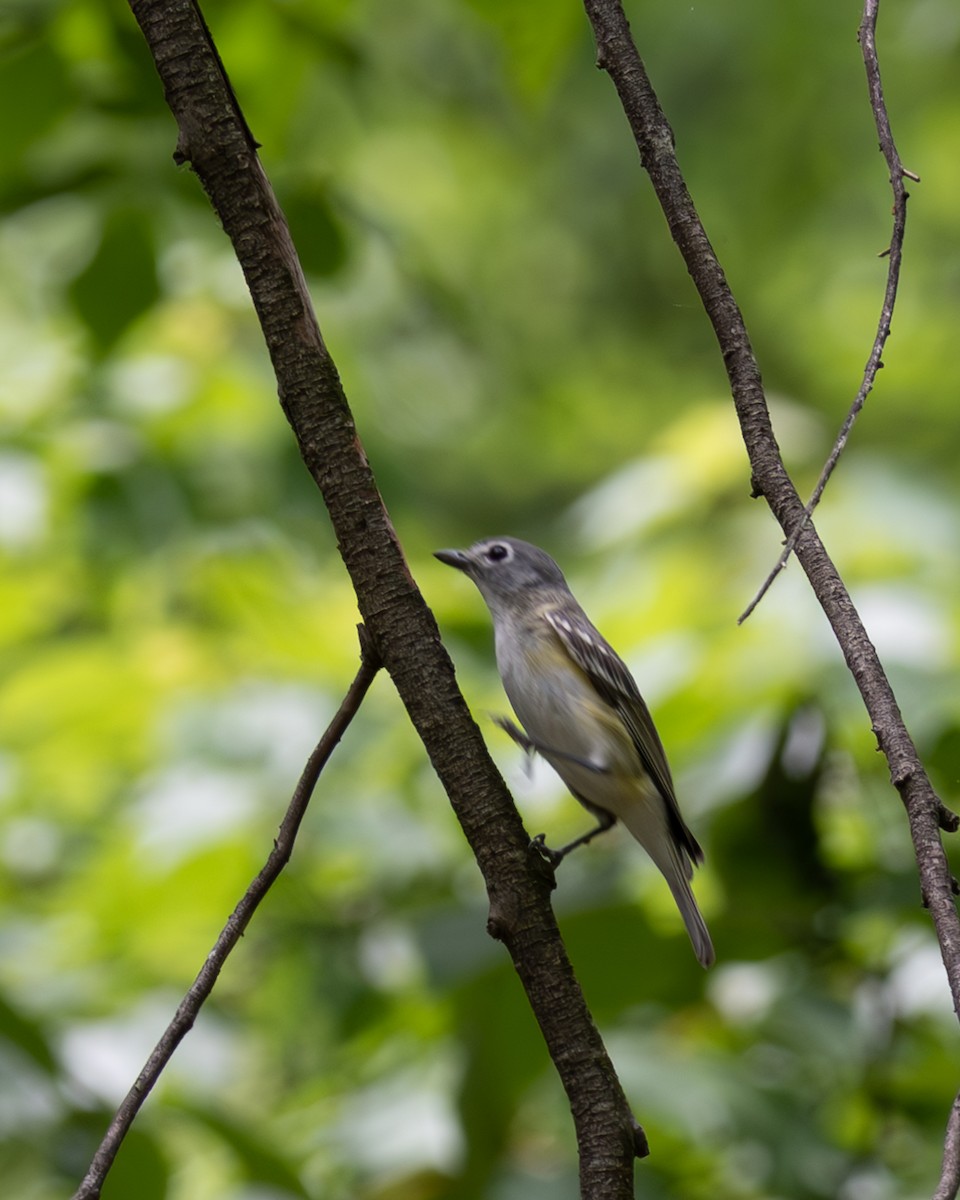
(516, 733)
(538, 845)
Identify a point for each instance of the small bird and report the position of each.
(581, 709)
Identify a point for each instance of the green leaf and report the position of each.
(260, 1162)
(120, 282)
(28, 1035)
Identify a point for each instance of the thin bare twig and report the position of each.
(866, 35)
(949, 1183)
(238, 921)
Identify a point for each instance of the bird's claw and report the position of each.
(516, 733)
(539, 845)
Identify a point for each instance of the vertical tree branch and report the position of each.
(618, 56)
(214, 139)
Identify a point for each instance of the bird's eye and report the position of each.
(498, 552)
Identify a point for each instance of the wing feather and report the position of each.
(609, 675)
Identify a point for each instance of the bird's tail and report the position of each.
(674, 863)
(696, 926)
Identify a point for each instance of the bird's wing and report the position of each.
(609, 675)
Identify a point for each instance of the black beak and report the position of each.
(453, 558)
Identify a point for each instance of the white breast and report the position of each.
(556, 704)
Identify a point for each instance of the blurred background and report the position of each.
(524, 354)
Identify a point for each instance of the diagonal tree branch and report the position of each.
(215, 141)
(867, 35)
(238, 921)
(949, 1183)
(926, 814)
(618, 56)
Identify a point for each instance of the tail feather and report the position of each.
(696, 926)
(652, 831)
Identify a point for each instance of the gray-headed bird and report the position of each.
(581, 709)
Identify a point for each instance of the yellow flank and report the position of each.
(581, 709)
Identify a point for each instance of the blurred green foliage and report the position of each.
(524, 353)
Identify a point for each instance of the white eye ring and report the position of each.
(498, 552)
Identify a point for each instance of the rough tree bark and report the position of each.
(618, 56)
(215, 140)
